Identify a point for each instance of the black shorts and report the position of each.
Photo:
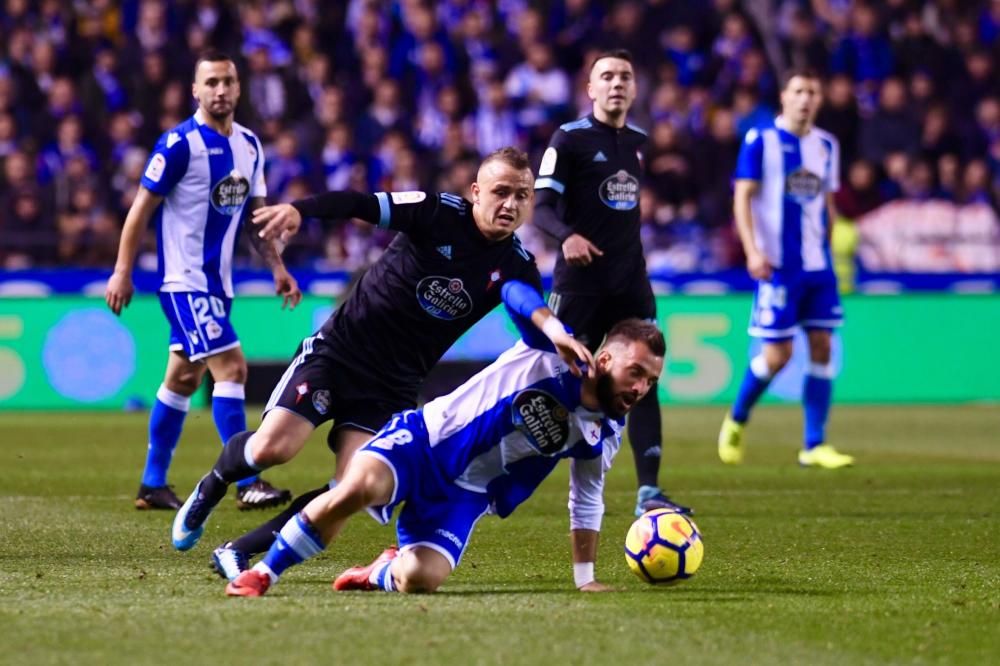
(591, 316)
(318, 388)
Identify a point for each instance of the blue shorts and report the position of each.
(790, 300)
(199, 323)
(436, 513)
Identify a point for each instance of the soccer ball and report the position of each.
(663, 547)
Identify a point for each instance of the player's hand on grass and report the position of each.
(579, 251)
(758, 266)
(287, 287)
(594, 586)
(575, 353)
(118, 293)
(279, 222)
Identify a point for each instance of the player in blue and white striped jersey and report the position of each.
(483, 448)
(786, 175)
(203, 179)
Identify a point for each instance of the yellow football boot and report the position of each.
(824, 456)
(731, 441)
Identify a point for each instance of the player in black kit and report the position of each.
(587, 198)
(441, 274)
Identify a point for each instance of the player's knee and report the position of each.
(230, 370)
(412, 577)
(819, 348)
(184, 382)
(269, 449)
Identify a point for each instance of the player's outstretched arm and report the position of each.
(118, 293)
(584, 556)
(285, 285)
(531, 316)
(275, 223)
(586, 511)
(284, 220)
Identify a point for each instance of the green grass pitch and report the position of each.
(894, 561)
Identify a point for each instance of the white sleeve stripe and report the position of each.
(550, 183)
(383, 208)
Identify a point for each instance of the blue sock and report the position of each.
(755, 382)
(817, 394)
(381, 578)
(166, 420)
(230, 415)
(296, 542)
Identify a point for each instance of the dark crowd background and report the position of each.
(408, 95)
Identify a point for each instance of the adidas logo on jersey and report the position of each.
(444, 251)
(599, 157)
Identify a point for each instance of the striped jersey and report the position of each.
(206, 179)
(789, 211)
(506, 428)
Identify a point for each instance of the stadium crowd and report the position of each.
(408, 94)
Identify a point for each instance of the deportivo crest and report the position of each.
(321, 401)
(444, 297)
(803, 185)
(620, 191)
(230, 193)
(542, 419)
(212, 330)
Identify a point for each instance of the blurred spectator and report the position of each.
(803, 47)
(681, 50)
(495, 123)
(8, 134)
(284, 164)
(26, 231)
(839, 115)
(384, 114)
(714, 163)
(538, 88)
(859, 193)
(864, 52)
(893, 128)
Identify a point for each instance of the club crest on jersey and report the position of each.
(230, 193)
(212, 330)
(620, 191)
(443, 297)
(542, 419)
(321, 401)
(802, 185)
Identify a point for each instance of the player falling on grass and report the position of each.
(587, 198)
(785, 177)
(440, 275)
(484, 447)
(202, 180)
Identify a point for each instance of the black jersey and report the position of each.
(594, 169)
(437, 278)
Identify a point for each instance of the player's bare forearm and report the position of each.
(757, 264)
(745, 190)
(266, 248)
(136, 221)
(119, 290)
